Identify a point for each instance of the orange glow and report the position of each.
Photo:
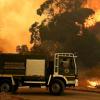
(95, 5)
(92, 20)
(93, 84)
(16, 16)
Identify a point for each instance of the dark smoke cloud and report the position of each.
(63, 29)
(63, 32)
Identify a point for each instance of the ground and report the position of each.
(43, 94)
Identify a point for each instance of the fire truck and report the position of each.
(30, 70)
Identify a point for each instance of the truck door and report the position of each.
(66, 66)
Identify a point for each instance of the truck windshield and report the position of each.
(66, 66)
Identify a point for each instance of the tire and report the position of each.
(56, 87)
(5, 87)
(14, 88)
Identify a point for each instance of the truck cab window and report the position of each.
(66, 66)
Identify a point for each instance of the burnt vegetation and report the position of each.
(63, 31)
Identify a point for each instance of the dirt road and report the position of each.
(43, 94)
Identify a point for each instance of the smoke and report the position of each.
(94, 4)
(92, 20)
(86, 74)
(16, 16)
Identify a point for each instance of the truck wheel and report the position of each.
(14, 88)
(56, 87)
(5, 87)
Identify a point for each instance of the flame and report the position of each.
(92, 20)
(93, 84)
(16, 16)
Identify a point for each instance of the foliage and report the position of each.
(22, 49)
(51, 7)
(63, 31)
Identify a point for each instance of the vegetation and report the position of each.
(63, 31)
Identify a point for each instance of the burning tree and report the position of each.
(64, 27)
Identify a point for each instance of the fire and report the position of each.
(93, 84)
(92, 20)
(17, 16)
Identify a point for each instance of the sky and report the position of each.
(16, 16)
(94, 4)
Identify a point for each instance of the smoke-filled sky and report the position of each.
(16, 16)
(94, 4)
